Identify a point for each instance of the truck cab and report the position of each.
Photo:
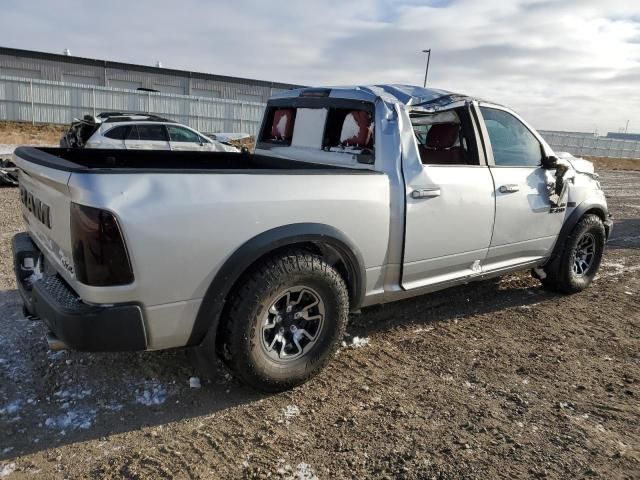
(472, 180)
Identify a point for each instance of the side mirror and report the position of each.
(549, 162)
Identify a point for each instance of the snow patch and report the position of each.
(7, 148)
(303, 471)
(291, 411)
(11, 408)
(358, 342)
(420, 329)
(72, 420)
(152, 393)
(113, 407)
(615, 269)
(73, 393)
(7, 469)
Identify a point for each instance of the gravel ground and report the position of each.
(498, 379)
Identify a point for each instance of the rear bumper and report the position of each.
(80, 326)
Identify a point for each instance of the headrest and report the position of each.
(357, 129)
(282, 126)
(442, 135)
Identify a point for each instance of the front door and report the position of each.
(449, 202)
(448, 227)
(184, 139)
(525, 228)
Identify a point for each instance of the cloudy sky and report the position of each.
(567, 65)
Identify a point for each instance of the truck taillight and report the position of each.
(99, 254)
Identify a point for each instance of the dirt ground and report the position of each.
(605, 163)
(21, 133)
(499, 379)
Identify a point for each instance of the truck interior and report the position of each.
(445, 138)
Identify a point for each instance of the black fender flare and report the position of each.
(572, 221)
(208, 317)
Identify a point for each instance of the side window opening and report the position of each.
(152, 132)
(446, 138)
(132, 134)
(180, 134)
(349, 130)
(117, 133)
(512, 142)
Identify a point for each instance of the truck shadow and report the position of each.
(49, 399)
(477, 298)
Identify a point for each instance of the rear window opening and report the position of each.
(279, 126)
(332, 129)
(348, 129)
(445, 138)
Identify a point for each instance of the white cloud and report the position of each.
(571, 65)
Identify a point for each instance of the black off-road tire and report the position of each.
(560, 274)
(241, 336)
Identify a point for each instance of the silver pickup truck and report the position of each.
(353, 197)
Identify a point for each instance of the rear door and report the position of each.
(147, 136)
(112, 138)
(182, 138)
(525, 228)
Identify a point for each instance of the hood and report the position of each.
(580, 165)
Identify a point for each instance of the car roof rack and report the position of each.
(110, 117)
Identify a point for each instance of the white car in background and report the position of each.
(138, 131)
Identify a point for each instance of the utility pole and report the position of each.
(426, 72)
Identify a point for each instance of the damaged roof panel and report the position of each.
(408, 95)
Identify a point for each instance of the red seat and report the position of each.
(282, 126)
(357, 129)
(439, 148)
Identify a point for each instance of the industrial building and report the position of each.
(104, 73)
(624, 136)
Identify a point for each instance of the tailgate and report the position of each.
(45, 203)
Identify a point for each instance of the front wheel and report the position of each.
(285, 320)
(576, 266)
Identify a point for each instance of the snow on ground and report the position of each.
(7, 149)
(290, 411)
(152, 392)
(7, 469)
(303, 471)
(81, 418)
(356, 342)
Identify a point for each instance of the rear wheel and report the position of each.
(576, 266)
(285, 320)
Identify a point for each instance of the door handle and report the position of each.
(509, 188)
(425, 193)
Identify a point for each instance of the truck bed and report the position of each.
(140, 161)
